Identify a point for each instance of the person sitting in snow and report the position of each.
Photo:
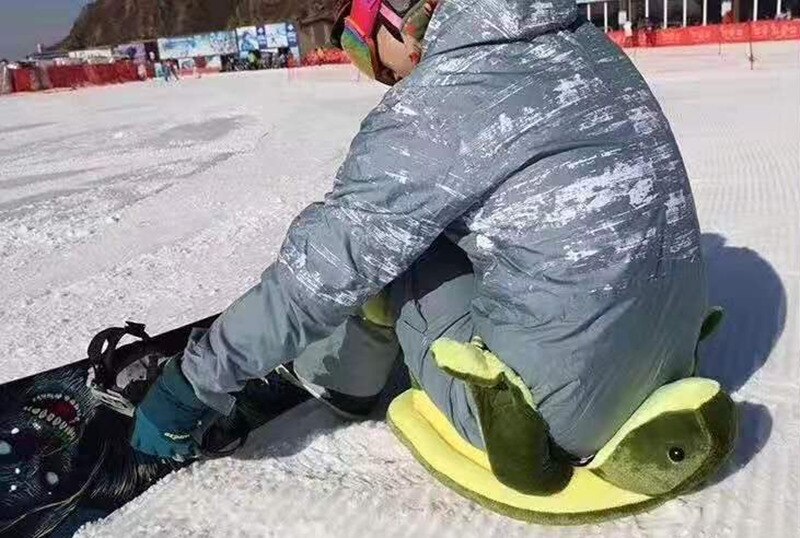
(519, 184)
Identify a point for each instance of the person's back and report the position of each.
(527, 138)
(584, 238)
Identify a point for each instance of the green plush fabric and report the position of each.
(663, 456)
(474, 360)
(711, 323)
(529, 516)
(656, 458)
(378, 310)
(517, 441)
(674, 451)
(722, 426)
(516, 436)
(467, 362)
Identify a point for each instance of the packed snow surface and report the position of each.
(162, 203)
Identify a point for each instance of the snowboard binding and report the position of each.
(142, 367)
(120, 377)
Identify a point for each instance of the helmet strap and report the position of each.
(411, 27)
(416, 20)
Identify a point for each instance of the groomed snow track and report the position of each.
(163, 203)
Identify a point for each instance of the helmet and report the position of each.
(413, 14)
(358, 22)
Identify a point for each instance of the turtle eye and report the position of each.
(676, 454)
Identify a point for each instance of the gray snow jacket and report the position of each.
(533, 142)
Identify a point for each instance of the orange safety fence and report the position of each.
(24, 80)
(74, 76)
(712, 34)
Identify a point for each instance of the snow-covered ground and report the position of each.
(163, 203)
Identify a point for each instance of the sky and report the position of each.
(23, 23)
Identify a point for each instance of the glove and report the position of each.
(168, 415)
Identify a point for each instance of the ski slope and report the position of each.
(162, 203)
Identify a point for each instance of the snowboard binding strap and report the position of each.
(107, 363)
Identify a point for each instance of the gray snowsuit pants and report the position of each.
(430, 300)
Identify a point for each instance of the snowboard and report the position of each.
(65, 457)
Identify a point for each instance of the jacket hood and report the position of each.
(463, 23)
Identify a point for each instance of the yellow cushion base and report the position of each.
(438, 447)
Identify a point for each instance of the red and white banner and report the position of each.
(716, 33)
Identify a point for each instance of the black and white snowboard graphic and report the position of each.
(65, 457)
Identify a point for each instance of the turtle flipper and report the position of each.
(516, 436)
(711, 324)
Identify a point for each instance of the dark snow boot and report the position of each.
(344, 405)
